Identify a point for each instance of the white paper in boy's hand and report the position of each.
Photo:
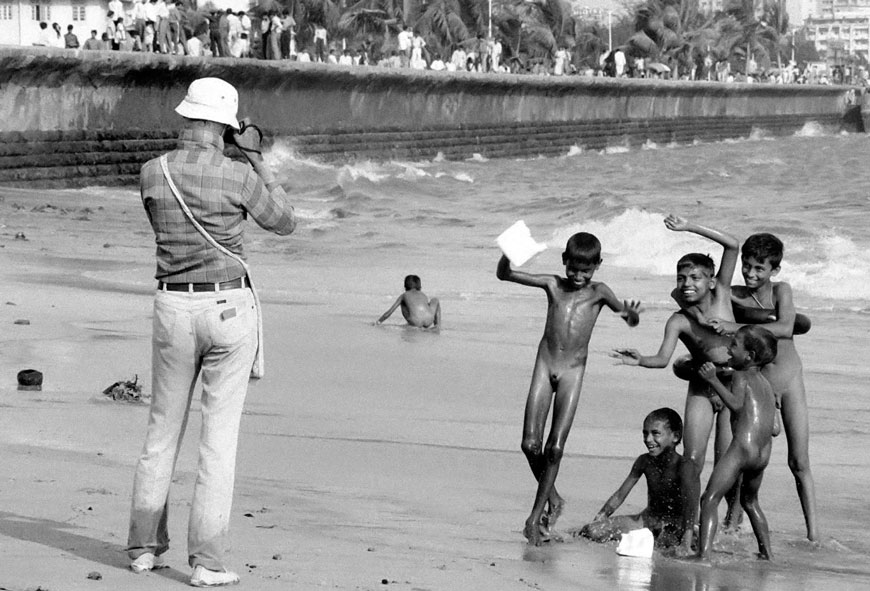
(518, 245)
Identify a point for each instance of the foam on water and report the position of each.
(810, 129)
(363, 170)
(283, 155)
(616, 150)
(742, 186)
(636, 239)
(462, 177)
(825, 266)
(829, 266)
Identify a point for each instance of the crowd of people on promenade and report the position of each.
(617, 64)
(169, 27)
(158, 26)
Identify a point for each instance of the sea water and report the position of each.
(365, 225)
(811, 190)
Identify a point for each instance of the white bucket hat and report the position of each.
(211, 99)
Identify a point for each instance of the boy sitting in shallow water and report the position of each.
(753, 408)
(417, 309)
(662, 431)
(573, 305)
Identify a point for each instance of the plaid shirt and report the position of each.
(220, 194)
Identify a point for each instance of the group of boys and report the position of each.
(739, 375)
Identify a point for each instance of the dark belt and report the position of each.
(239, 283)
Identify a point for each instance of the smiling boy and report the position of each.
(706, 296)
(573, 305)
(662, 431)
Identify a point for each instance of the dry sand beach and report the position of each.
(370, 457)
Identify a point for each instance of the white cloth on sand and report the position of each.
(638, 543)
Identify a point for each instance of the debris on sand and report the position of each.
(30, 379)
(126, 391)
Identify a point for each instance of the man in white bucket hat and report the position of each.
(206, 319)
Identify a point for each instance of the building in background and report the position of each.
(840, 29)
(19, 19)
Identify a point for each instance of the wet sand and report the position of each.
(370, 457)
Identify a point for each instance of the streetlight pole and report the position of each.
(489, 35)
(609, 30)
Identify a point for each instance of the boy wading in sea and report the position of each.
(662, 431)
(761, 255)
(574, 302)
(417, 309)
(705, 296)
(751, 401)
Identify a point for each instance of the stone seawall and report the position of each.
(77, 118)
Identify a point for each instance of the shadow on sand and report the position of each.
(63, 536)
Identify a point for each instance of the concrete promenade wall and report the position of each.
(75, 117)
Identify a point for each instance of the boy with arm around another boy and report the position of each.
(761, 255)
(573, 305)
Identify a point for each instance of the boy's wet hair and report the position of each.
(670, 417)
(412, 282)
(696, 259)
(760, 342)
(584, 248)
(763, 247)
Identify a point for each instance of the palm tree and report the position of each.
(371, 18)
(325, 12)
(445, 24)
(672, 31)
(589, 44)
(776, 19)
(535, 27)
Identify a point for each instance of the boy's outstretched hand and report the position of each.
(708, 372)
(676, 223)
(630, 312)
(627, 356)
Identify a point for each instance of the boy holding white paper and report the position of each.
(574, 302)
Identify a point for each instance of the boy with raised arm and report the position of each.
(750, 399)
(707, 296)
(662, 431)
(418, 310)
(761, 255)
(574, 302)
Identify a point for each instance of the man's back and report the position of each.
(218, 191)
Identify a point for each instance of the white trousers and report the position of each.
(212, 335)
